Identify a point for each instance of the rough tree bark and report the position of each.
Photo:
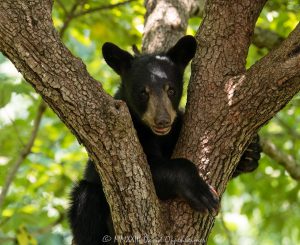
(226, 106)
(166, 21)
(100, 123)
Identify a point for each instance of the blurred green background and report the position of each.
(258, 208)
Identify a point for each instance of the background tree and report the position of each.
(51, 160)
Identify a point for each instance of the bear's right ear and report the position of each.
(118, 59)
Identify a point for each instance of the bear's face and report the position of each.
(152, 89)
(152, 84)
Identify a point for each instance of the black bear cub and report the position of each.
(151, 85)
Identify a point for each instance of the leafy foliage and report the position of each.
(258, 208)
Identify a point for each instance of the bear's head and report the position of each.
(152, 83)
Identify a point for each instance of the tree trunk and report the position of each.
(167, 21)
(102, 124)
(226, 105)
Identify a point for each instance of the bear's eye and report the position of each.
(144, 95)
(171, 92)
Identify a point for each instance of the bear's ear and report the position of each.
(118, 59)
(183, 51)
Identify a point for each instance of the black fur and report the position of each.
(249, 160)
(145, 78)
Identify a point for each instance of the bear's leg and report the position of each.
(179, 177)
(89, 214)
(250, 158)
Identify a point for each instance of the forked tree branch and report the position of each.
(226, 105)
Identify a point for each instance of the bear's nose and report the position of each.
(163, 121)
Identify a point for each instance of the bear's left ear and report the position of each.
(183, 51)
(118, 59)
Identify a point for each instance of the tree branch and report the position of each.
(227, 105)
(165, 22)
(223, 40)
(214, 107)
(24, 153)
(102, 124)
(262, 38)
(72, 14)
(287, 161)
(291, 132)
(27, 148)
(247, 100)
(59, 2)
(100, 8)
